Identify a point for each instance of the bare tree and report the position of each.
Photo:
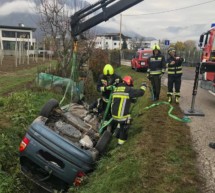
(55, 24)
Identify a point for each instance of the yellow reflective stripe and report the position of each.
(121, 95)
(154, 59)
(173, 68)
(123, 107)
(177, 72)
(120, 89)
(177, 94)
(102, 89)
(120, 141)
(120, 107)
(123, 118)
(156, 72)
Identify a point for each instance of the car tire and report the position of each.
(48, 108)
(103, 142)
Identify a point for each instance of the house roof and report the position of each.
(17, 27)
(114, 34)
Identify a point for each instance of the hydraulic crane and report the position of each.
(109, 8)
(91, 16)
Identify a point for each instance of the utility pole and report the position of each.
(120, 39)
(120, 33)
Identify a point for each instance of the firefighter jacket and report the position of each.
(121, 101)
(156, 64)
(104, 81)
(176, 68)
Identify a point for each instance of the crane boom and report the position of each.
(109, 8)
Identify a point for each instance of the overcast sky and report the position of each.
(176, 20)
(179, 25)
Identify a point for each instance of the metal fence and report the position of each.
(191, 58)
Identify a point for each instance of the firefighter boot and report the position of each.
(177, 99)
(169, 99)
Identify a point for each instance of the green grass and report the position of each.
(14, 81)
(157, 158)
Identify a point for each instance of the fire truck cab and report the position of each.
(207, 66)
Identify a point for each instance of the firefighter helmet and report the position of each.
(128, 80)
(171, 49)
(108, 70)
(156, 47)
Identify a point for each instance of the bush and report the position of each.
(97, 61)
(115, 58)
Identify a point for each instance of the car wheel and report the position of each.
(103, 142)
(48, 107)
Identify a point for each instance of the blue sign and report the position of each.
(167, 42)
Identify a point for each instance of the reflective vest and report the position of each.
(120, 104)
(176, 68)
(156, 65)
(121, 101)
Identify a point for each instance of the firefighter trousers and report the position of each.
(156, 84)
(174, 81)
(122, 131)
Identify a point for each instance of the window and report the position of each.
(12, 34)
(8, 45)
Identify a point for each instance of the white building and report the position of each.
(111, 41)
(149, 44)
(12, 36)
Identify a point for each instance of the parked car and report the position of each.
(140, 60)
(62, 145)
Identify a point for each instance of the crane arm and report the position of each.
(109, 8)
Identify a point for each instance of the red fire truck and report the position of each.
(207, 66)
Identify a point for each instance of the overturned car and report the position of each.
(62, 145)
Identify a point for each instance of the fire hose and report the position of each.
(185, 119)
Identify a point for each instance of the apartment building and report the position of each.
(12, 36)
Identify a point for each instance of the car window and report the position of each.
(137, 55)
(146, 54)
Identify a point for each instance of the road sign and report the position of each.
(166, 42)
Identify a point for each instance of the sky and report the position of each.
(154, 18)
(174, 20)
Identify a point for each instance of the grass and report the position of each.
(14, 81)
(157, 158)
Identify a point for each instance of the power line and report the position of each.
(171, 10)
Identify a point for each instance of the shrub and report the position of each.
(97, 61)
(115, 58)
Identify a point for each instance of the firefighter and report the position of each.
(174, 69)
(104, 85)
(123, 95)
(155, 70)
